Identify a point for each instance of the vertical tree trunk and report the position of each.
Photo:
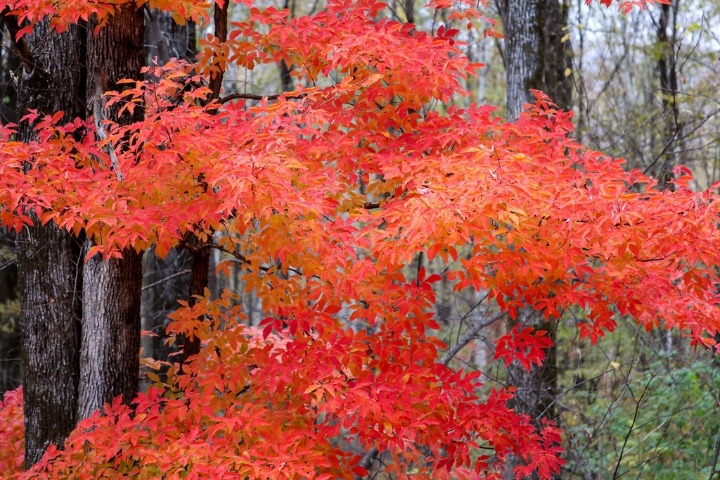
(109, 362)
(536, 57)
(163, 278)
(47, 257)
(10, 344)
(166, 39)
(667, 71)
(286, 81)
(110, 347)
(201, 257)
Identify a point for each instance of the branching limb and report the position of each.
(23, 49)
(481, 323)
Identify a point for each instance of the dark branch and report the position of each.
(368, 459)
(23, 50)
(250, 96)
(481, 323)
(166, 279)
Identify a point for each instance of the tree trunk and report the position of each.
(668, 72)
(50, 336)
(201, 257)
(287, 84)
(109, 362)
(48, 258)
(166, 39)
(110, 344)
(536, 57)
(166, 280)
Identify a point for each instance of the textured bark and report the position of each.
(198, 284)
(165, 39)
(537, 388)
(115, 53)
(220, 20)
(109, 361)
(50, 336)
(47, 258)
(110, 344)
(535, 56)
(668, 72)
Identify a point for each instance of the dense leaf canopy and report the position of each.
(325, 195)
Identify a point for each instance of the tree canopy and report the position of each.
(324, 195)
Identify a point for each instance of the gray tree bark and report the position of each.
(536, 57)
(110, 346)
(165, 39)
(109, 361)
(667, 70)
(49, 269)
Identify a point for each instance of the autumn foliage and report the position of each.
(325, 195)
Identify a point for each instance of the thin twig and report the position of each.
(23, 49)
(166, 279)
(631, 429)
(469, 335)
(713, 467)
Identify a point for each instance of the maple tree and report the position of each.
(325, 195)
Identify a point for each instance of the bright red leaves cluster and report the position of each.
(326, 194)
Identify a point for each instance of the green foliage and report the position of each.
(633, 410)
(9, 313)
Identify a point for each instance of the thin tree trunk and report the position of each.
(110, 344)
(47, 257)
(286, 81)
(166, 39)
(667, 71)
(164, 282)
(201, 256)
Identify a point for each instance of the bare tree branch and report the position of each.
(250, 96)
(23, 50)
(481, 323)
(166, 279)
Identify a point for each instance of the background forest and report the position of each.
(642, 86)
